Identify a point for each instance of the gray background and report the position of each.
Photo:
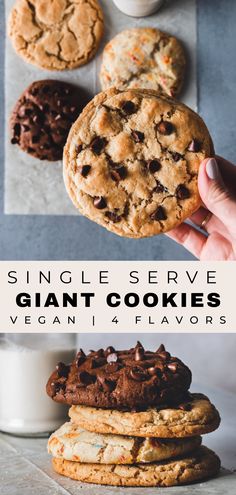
(211, 357)
(51, 237)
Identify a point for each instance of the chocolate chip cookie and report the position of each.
(42, 118)
(131, 161)
(200, 465)
(194, 416)
(143, 58)
(121, 379)
(56, 34)
(73, 443)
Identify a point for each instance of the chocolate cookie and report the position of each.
(42, 118)
(197, 466)
(56, 34)
(121, 379)
(131, 161)
(194, 416)
(73, 443)
(143, 58)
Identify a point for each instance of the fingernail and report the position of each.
(212, 169)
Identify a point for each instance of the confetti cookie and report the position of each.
(197, 466)
(42, 118)
(143, 58)
(195, 416)
(121, 380)
(131, 161)
(56, 34)
(73, 443)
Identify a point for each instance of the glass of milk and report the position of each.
(138, 8)
(26, 362)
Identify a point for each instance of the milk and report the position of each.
(25, 408)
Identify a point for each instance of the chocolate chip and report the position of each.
(80, 358)
(128, 107)
(111, 215)
(194, 146)
(84, 170)
(153, 166)
(99, 203)
(112, 358)
(37, 119)
(46, 89)
(62, 370)
(182, 192)
(25, 128)
(139, 345)
(78, 148)
(95, 363)
(85, 378)
(138, 374)
(110, 350)
(159, 214)
(107, 385)
(160, 188)
(98, 144)
(152, 370)
(99, 353)
(161, 348)
(185, 407)
(164, 127)
(15, 140)
(176, 156)
(17, 130)
(58, 387)
(35, 139)
(164, 355)
(172, 367)
(119, 173)
(139, 354)
(138, 136)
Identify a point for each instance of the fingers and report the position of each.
(213, 224)
(189, 237)
(213, 248)
(216, 196)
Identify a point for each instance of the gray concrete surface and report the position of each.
(39, 237)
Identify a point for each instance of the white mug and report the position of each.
(138, 8)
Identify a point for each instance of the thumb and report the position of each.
(215, 194)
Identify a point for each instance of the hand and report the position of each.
(217, 187)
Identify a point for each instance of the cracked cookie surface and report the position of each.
(42, 117)
(73, 443)
(196, 416)
(197, 466)
(131, 161)
(143, 58)
(56, 34)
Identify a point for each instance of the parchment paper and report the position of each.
(35, 187)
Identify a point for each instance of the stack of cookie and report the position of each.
(133, 420)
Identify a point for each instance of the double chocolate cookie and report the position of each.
(131, 161)
(143, 58)
(42, 117)
(56, 34)
(122, 380)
